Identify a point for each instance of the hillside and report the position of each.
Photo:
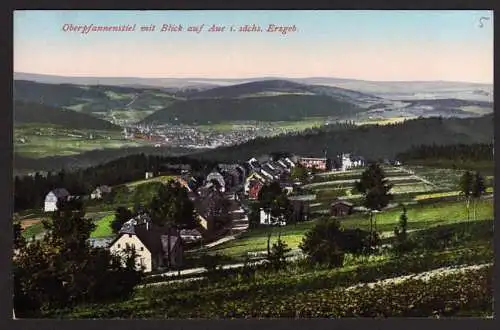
(92, 99)
(275, 108)
(29, 113)
(277, 87)
(371, 141)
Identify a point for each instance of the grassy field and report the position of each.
(419, 216)
(103, 228)
(102, 213)
(48, 140)
(162, 179)
(102, 216)
(280, 125)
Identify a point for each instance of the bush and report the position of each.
(327, 242)
(323, 243)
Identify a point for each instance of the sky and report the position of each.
(368, 45)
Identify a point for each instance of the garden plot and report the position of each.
(448, 179)
(394, 179)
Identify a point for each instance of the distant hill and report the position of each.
(114, 81)
(92, 99)
(272, 108)
(277, 87)
(386, 89)
(28, 113)
(368, 141)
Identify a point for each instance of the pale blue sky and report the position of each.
(372, 45)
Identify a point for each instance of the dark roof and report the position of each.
(205, 204)
(190, 232)
(60, 192)
(270, 170)
(346, 203)
(153, 237)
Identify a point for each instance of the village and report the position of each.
(221, 204)
(193, 136)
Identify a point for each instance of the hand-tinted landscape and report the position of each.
(157, 193)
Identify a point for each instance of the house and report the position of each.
(208, 207)
(190, 235)
(254, 175)
(253, 163)
(156, 247)
(254, 189)
(53, 197)
(217, 177)
(318, 163)
(290, 162)
(269, 172)
(266, 219)
(341, 208)
(349, 161)
(100, 191)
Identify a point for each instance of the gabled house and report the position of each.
(270, 172)
(341, 208)
(254, 175)
(100, 191)
(54, 196)
(254, 189)
(156, 247)
(349, 161)
(209, 210)
(318, 163)
(219, 178)
(290, 162)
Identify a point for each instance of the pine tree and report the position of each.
(375, 188)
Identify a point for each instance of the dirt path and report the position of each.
(424, 276)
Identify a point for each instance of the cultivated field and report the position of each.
(36, 140)
(420, 216)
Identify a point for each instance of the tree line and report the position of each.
(372, 141)
(30, 191)
(460, 152)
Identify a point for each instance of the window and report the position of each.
(142, 248)
(127, 246)
(118, 246)
(142, 261)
